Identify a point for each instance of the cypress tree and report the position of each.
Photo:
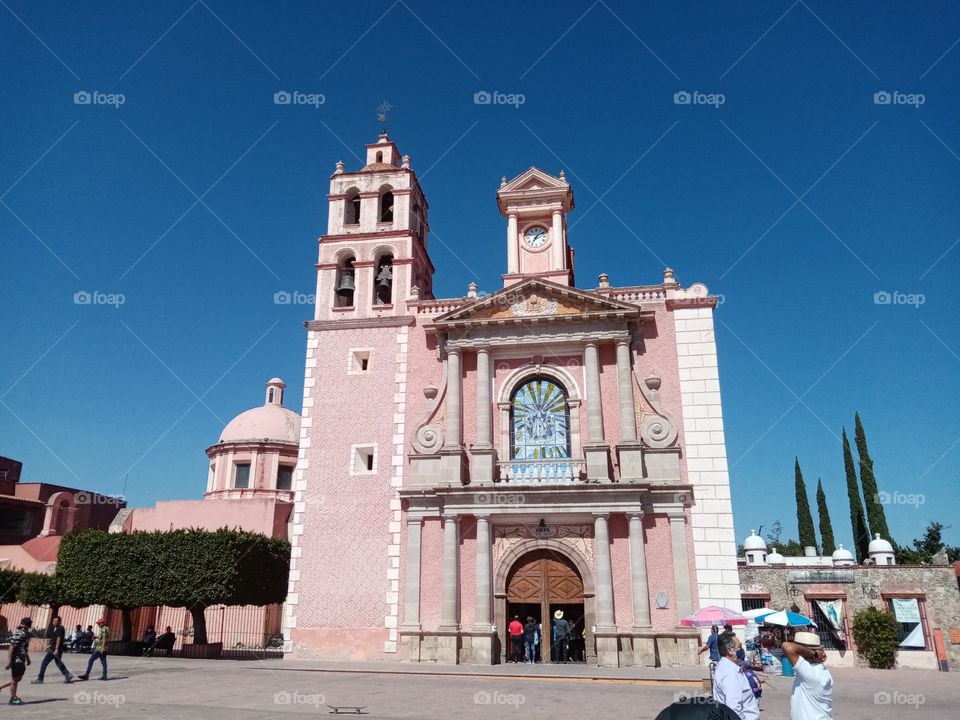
(861, 536)
(871, 495)
(826, 528)
(808, 537)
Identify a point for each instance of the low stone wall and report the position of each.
(866, 586)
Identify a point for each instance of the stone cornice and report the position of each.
(353, 323)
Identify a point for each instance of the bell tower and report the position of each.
(373, 257)
(536, 206)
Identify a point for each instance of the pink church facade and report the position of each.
(541, 449)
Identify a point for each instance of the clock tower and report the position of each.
(536, 206)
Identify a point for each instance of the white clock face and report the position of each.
(535, 237)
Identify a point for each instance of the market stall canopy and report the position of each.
(714, 615)
(785, 618)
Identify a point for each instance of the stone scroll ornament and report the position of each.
(428, 437)
(657, 430)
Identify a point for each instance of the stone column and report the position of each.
(453, 437)
(591, 362)
(483, 617)
(603, 574)
(628, 417)
(450, 593)
(681, 564)
(638, 574)
(411, 578)
(484, 406)
(557, 250)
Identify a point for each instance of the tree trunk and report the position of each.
(198, 613)
(126, 627)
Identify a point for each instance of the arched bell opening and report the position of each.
(345, 285)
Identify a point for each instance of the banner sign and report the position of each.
(906, 610)
(821, 576)
(833, 611)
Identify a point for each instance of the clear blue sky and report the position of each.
(797, 199)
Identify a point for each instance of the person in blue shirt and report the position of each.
(711, 645)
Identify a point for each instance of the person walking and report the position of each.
(18, 657)
(812, 694)
(711, 645)
(516, 638)
(99, 650)
(562, 630)
(530, 640)
(730, 685)
(56, 638)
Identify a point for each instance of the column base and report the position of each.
(661, 465)
(598, 462)
(453, 466)
(483, 464)
(434, 646)
(477, 648)
(630, 456)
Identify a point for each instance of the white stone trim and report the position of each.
(705, 454)
(392, 588)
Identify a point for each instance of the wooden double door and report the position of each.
(540, 583)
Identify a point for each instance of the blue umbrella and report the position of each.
(784, 618)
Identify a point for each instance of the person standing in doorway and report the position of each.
(56, 638)
(812, 695)
(530, 640)
(562, 630)
(516, 639)
(711, 644)
(730, 686)
(18, 657)
(99, 650)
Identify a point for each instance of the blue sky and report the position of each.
(798, 198)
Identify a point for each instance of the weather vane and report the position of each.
(383, 113)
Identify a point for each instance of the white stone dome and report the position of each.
(754, 542)
(879, 545)
(271, 421)
(842, 555)
(775, 558)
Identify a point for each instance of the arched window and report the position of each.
(383, 281)
(386, 207)
(351, 208)
(345, 283)
(379, 156)
(539, 421)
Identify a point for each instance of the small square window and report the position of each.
(359, 361)
(285, 477)
(363, 460)
(241, 476)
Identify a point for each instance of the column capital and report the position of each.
(677, 516)
(635, 515)
(591, 343)
(599, 515)
(485, 516)
(484, 348)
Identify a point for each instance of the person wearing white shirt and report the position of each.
(730, 685)
(812, 695)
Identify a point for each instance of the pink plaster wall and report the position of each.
(252, 514)
(620, 562)
(468, 572)
(343, 568)
(431, 573)
(660, 570)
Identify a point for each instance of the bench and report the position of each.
(163, 642)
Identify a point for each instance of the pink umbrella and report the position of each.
(714, 615)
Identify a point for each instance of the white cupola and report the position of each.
(842, 556)
(881, 551)
(755, 549)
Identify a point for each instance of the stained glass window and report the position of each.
(540, 421)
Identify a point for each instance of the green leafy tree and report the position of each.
(197, 569)
(787, 548)
(9, 585)
(41, 589)
(876, 516)
(808, 536)
(861, 535)
(826, 528)
(114, 569)
(926, 547)
(875, 633)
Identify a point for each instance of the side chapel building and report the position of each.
(541, 448)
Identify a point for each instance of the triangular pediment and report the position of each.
(536, 298)
(534, 179)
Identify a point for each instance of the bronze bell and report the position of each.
(384, 289)
(346, 286)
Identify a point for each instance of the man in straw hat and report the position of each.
(561, 630)
(812, 695)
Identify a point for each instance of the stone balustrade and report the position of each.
(565, 470)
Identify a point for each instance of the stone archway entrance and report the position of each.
(540, 583)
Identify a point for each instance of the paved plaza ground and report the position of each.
(244, 690)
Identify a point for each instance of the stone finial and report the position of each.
(415, 292)
(563, 176)
(383, 138)
(668, 277)
(472, 290)
(340, 166)
(405, 160)
(604, 280)
(503, 181)
(653, 383)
